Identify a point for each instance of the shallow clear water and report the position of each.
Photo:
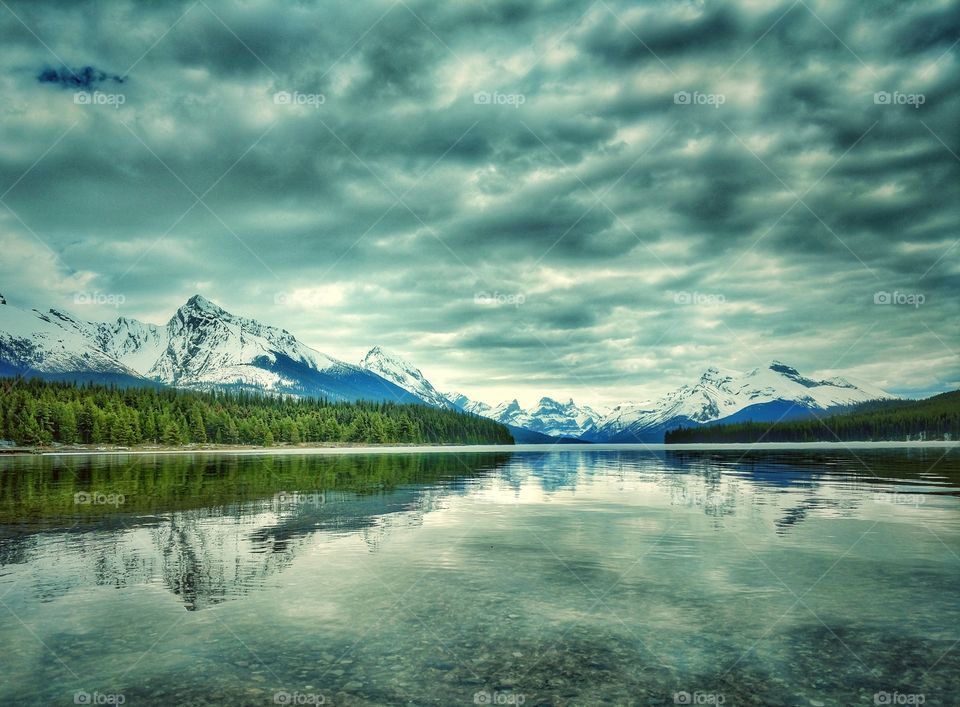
(573, 577)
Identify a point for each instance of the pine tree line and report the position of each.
(39, 412)
(935, 418)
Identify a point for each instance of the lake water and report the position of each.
(571, 577)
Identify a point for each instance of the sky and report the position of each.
(593, 200)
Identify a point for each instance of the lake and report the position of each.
(570, 576)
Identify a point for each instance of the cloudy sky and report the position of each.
(524, 197)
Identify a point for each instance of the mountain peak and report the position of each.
(202, 304)
(198, 309)
(380, 358)
(554, 402)
(714, 375)
(793, 374)
(780, 367)
(380, 352)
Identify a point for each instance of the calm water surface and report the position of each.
(575, 577)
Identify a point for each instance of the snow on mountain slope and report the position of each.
(406, 375)
(206, 345)
(33, 342)
(132, 343)
(563, 419)
(619, 418)
(507, 412)
(778, 378)
(464, 403)
(720, 394)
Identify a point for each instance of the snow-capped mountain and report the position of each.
(464, 403)
(398, 371)
(38, 343)
(521, 434)
(549, 417)
(565, 419)
(202, 346)
(773, 392)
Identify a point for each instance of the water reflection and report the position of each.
(573, 577)
(214, 527)
(211, 527)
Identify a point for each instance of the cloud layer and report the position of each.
(525, 198)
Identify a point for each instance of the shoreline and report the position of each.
(479, 448)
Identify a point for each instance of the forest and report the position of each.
(37, 413)
(936, 418)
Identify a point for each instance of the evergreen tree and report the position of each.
(198, 432)
(67, 425)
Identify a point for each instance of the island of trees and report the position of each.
(35, 412)
(936, 418)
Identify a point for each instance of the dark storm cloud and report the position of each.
(85, 77)
(664, 32)
(930, 28)
(506, 191)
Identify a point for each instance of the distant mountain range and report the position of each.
(774, 392)
(205, 347)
